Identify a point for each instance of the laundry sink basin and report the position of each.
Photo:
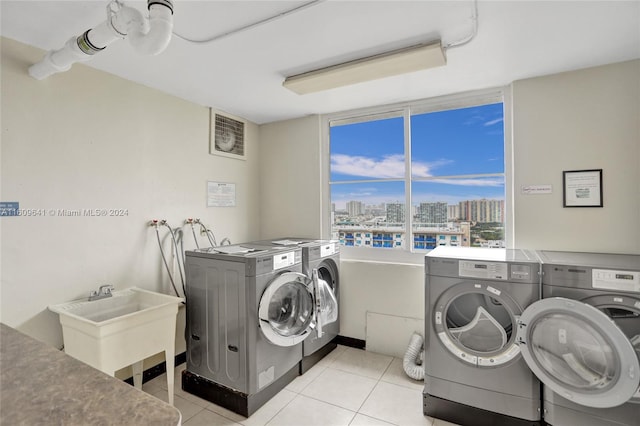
(121, 330)
(122, 306)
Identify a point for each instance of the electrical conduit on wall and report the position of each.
(147, 36)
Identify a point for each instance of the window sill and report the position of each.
(381, 255)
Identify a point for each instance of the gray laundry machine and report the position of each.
(582, 340)
(322, 256)
(474, 371)
(249, 307)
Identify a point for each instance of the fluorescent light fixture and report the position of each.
(409, 59)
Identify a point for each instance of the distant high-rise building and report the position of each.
(374, 209)
(395, 213)
(453, 212)
(432, 213)
(482, 210)
(355, 208)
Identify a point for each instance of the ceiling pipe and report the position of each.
(153, 36)
(147, 36)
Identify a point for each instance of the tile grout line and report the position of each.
(328, 403)
(288, 403)
(185, 421)
(374, 387)
(296, 394)
(280, 410)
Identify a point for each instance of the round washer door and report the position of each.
(578, 352)
(476, 323)
(286, 310)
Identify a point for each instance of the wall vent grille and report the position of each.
(228, 136)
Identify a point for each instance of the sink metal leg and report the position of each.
(137, 374)
(171, 370)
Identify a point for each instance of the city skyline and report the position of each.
(482, 210)
(414, 205)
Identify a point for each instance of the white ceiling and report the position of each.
(242, 74)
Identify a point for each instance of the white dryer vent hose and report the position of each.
(412, 362)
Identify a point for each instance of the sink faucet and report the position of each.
(103, 291)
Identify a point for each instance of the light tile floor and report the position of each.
(349, 387)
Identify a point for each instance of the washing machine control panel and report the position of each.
(609, 279)
(328, 249)
(283, 260)
(486, 270)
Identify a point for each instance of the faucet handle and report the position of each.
(105, 289)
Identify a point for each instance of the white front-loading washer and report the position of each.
(474, 371)
(582, 340)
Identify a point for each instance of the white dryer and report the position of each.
(474, 372)
(249, 307)
(582, 340)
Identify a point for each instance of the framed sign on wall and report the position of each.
(582, 188)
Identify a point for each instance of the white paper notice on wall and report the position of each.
(221, 194)
(536, 189)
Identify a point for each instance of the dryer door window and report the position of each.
(578, 352)
(476, 323)
(286, 311)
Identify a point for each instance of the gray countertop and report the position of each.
(42, 385)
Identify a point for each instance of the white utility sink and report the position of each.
(121, 330)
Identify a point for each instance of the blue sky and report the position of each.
(444, 143)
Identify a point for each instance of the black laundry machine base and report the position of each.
(233, 400)
(311, 360)
(466, 415)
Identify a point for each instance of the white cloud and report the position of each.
(492, 122)
(390, 166)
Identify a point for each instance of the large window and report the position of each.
(419, 175)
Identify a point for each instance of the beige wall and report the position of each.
(290, 178)
(577, 120)
(587, 119)
(86, 139)
(381, 288)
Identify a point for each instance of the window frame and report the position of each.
(406, 109)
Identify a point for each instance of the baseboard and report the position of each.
(158, 370)
(350, 341)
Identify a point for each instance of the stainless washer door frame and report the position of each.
(509, 352)
(627, 380)
(331, 277)
(623, 302)
(303, 283)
